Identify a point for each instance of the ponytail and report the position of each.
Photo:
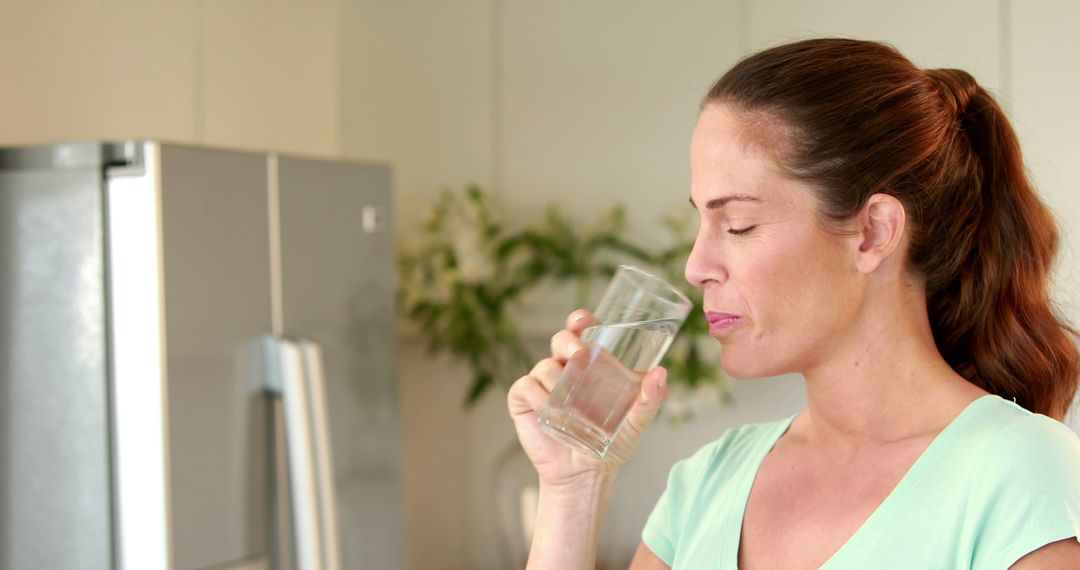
(863, 120)
(988, 305)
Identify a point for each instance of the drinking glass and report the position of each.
(636, 320)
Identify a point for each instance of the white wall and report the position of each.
(261, 74)
(82, 70)
(964, 34)
(1044, 87)
(269, 74)
(417, 94)
(593, 102)
(599, 99)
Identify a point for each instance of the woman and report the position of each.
(868, 224)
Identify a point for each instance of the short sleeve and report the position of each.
(660, 534)
(665, 523)
(1030, 492)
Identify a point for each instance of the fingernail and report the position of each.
(575, 347)
(579, 315)
(663, 381)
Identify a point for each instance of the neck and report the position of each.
(885, 381)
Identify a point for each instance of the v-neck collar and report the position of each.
(729, 556)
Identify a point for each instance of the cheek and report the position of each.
(795, 286)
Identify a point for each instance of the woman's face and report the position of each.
(780, 291)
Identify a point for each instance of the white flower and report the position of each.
(475, 261)
(462, 223)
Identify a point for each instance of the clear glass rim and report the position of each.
(680, 297)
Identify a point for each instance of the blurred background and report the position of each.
(577, 103)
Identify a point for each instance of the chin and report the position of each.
(743, 372)
(739, 369)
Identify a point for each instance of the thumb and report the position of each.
(653, 391)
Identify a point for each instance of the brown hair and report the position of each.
(859, 118)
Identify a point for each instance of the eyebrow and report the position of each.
(716, 203)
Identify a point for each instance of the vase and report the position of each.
(516, 490)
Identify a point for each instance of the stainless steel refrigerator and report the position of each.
(196, 360)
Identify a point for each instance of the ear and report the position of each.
(880, 231)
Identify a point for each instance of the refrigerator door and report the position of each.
(55, 498)
(137, 372)
(215, 236)
(337, 268)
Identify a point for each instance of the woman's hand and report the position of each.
(558, 465)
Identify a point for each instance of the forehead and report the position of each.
(729, 155)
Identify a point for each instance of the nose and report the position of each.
(704, 265)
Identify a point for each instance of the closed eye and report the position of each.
(741, 231)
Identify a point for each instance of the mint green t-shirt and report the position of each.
(997, 483)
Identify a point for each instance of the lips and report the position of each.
(722, 321)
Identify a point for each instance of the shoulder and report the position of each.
(704, 484)
(1025, 486)
(730, 453)
(1020, 442)
(739, 442)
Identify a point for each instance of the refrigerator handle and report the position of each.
(294, 373)
(324, 461)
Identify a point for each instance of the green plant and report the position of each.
(460, 280)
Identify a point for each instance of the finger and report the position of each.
(580, 320)
(654, 388)
(653, 391)
(566, 345)
(547, 371)
(527, 396)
